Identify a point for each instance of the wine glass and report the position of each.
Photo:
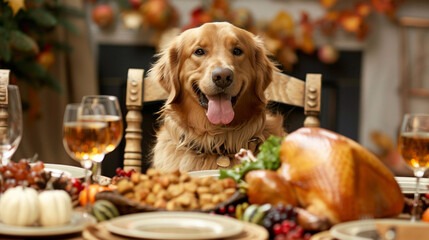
(10, 123)
(113, 118)
(413, 144)
(85, 137)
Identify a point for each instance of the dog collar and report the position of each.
(224, 157)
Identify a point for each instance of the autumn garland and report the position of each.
(26, 42)
(283, 35)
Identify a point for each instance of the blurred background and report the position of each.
(372, 55)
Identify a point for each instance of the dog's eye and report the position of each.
(237, 51)
(199, 52)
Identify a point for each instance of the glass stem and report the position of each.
(4, 160)
(96, 171)
(415, 208)
(87, 184)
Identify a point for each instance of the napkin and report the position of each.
(403, 231)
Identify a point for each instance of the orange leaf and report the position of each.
(221, 4)
(205, 18)
(329, 23)
(328, 3)
(16, 5)
(307, 44)
(384, 6)
(281, 26)
(363, 31)
(46, 59)
(306, 25)
(332, 16)
(363, 9)
(273, 45)
(219, 10)
(351, 22)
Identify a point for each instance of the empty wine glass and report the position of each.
(413, 144)
(113, 118)
(10, 123)
(85, 137)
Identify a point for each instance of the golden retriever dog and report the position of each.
(215, 75)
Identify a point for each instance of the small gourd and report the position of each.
(55, 207)
(19, 206)
(104, 210)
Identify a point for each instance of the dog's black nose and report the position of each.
(222, 77)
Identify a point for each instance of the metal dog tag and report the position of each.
(223, 161)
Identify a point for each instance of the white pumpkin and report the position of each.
(55, 208)
(19, 206)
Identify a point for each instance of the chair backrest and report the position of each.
(4, 82)
(283, 89)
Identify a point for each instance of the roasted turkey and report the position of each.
(331, 177)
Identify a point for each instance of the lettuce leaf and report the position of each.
(268, 158)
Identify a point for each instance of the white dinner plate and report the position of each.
(355, 230)
(77, 223)
(205, 173)
(175, 225)
(67, 170)
(412, 180)
(408, 184)
(367, 230)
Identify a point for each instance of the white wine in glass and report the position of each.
(11, 117)
(85, 136)
(413, 144)
(113, 117)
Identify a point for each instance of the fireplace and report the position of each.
(340, 90)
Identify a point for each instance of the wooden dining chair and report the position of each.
(284, 89)
(4, 82)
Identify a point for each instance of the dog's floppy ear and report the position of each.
(264, 68)
(166, 70)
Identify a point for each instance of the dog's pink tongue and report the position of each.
(220, 109)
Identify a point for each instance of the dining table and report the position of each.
(89, 228)
(251, 231)
(98, 231)
(404, 229)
